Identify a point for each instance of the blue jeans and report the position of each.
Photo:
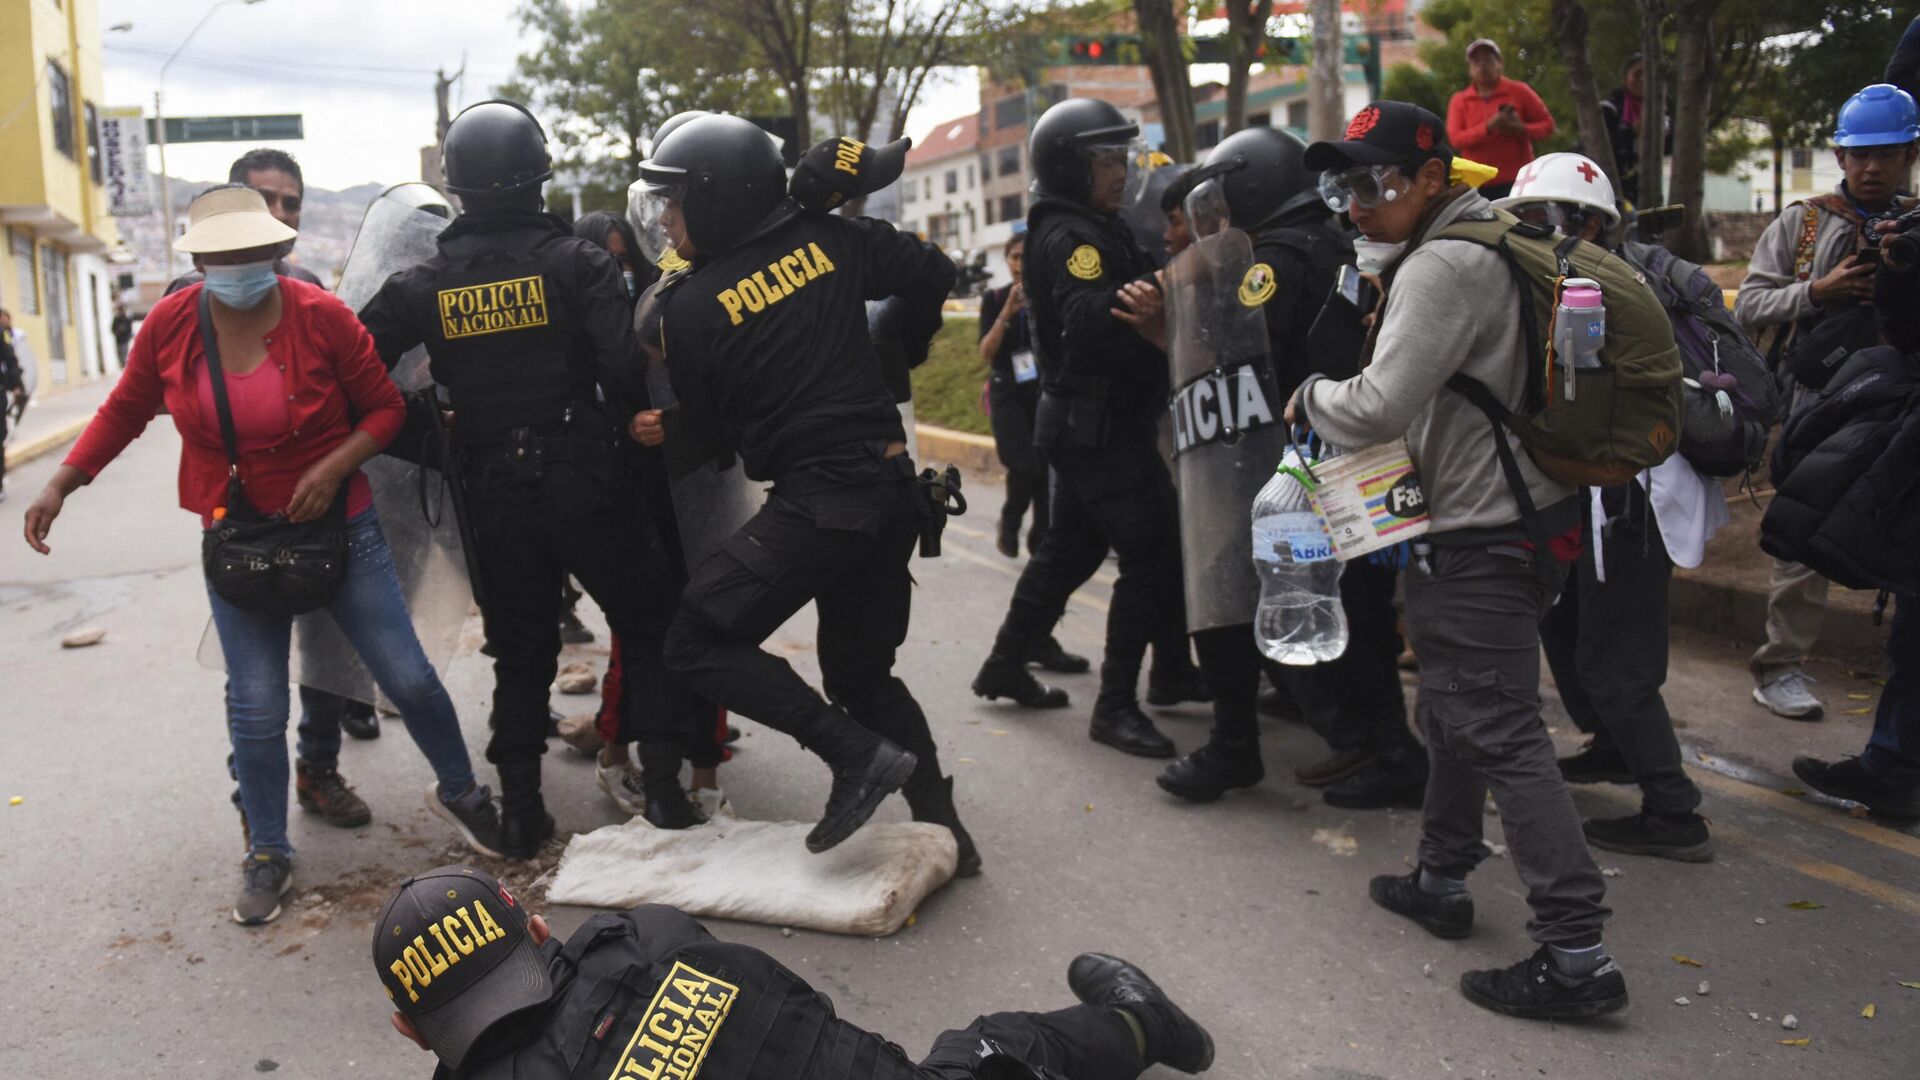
(1893, 751)
(371, 611)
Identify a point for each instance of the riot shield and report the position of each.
(413, 501)
(1226, 416)
(712, 496)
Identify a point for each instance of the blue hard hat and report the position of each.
(1880, 115)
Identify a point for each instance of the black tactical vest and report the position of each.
(501, 343)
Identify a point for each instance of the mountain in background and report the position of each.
(328, 222)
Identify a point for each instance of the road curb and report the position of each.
(21, 453)
(974, 453)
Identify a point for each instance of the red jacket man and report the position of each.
(1496, 120)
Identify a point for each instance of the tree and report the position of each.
(1570, 31)
(1694, 63)
(1166, 59)
(1653, 134)
(1325, 92)
(1246, 36)
(782, 32)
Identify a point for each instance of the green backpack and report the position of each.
(1623, 416)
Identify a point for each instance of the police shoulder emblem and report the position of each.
(1257, 286)
(1084, 263)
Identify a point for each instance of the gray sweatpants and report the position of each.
(1474, 618)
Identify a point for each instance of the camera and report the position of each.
(1897, 252)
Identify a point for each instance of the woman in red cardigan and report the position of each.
(311, 403)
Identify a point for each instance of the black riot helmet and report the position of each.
(673, 123)
(1261, 174)
(495, 148)
(726, 175)
(1062, 142)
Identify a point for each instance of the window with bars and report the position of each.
(26, 271)
(1009, 160)
(1011, 208)
(60, 94)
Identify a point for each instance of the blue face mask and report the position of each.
(243, 285)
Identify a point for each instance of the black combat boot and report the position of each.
(360, 721)
(1396, 777)
(1051, 656)
(665, 805)
(1121, 725)
(1001, 677)
(524, 822)
(1598, 762)
(1173, 1038)
(1177, 687)
(866, 769)
(932, 802)
(1213, 770)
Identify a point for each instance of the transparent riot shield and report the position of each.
(1226, 413)
(712, 496)
(414, 502)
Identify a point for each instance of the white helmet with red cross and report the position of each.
(1562, 178)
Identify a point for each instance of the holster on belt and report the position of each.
(941, 499)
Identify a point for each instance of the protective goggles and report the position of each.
(1364, 186)
(1566, 218)
(1139, 162)
(653, 209)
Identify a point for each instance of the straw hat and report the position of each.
(230, 219)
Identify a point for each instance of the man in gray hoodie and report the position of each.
(1475, 594)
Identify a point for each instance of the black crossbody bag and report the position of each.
(259, 563)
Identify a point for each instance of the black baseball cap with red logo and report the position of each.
(453, 952)
(1384, 133)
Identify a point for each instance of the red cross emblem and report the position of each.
(1587, 170)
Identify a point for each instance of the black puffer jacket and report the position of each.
(1847, 477)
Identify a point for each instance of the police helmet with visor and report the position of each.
(1074, 136)
(717, 181)
(495, 148)
(1254, 177)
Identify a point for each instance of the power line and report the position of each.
(217, 57)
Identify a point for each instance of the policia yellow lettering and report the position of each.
(673, 1038)
(779, 280)
(419, 965)
(472, 310)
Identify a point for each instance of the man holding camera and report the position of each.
(1808, 297)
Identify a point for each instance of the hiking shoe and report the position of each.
(858, 789)
(622, 784)
(1179, 689)
(1050, 656)
(1535, 989)
(1212, 771)
(1125, 728)
(360, 721)
(1680, 837)
(265, 877)
(1379, 784)
(1003, 678)
(1442, 916)
(473, 814)
(1847, 779)
(572, 631)
(1786, 694)
(320, 790)
(1598, 762)
(1173, 1038)
(1342, 764)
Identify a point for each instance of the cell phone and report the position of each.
(1869, 257)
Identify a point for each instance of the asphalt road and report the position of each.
(118, 865)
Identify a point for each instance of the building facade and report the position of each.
(54, 226)
(941, 196)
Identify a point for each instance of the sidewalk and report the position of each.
(55, 418)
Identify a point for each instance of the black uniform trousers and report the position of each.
(1013, 406)
(1606, 644)
(1081, 1043)
(845, 548)
(1355, 701)
(1119, 496)
(531, 533)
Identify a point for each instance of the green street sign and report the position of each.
(192, 129)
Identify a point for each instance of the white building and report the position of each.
(941, 191)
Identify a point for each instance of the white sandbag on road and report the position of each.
(760, 871)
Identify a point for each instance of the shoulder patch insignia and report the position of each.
(671, 261)
(1084, 263)
(1257, 286)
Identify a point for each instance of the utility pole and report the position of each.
(442, 88)
(1326, 92)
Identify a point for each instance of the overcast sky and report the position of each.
(360, 72)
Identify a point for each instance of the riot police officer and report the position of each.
(766, 343)
(481, 982)
(1299, 274)
(528, 329)
(1102, 389)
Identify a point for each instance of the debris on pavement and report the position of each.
(1908, 985)
(1790, 1022)
(1753, 1016)
(576, 678)
(80, 639)
(1806, 905)
(582, 732)
(1687, 961)
(1705, 988)
(1335, 841)
(16, 800)
(1610, 871)
(1759, 922)
(1867, 1013)
(1793, 1042)
(1426, 969)
(1682, 1000)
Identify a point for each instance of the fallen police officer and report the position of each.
(648, 993)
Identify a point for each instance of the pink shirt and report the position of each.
(261, 419)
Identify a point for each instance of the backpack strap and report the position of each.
(1493, 234)
(1809, 232)
(1497, 414)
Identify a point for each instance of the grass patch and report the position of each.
(946, 389)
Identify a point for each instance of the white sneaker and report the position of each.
(712, 803)
(622, 784)
(1787, 695)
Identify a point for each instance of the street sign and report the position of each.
(123, 161)
(192, 129)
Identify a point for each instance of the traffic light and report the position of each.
(1103, 49)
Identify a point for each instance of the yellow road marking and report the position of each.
(1819, 815)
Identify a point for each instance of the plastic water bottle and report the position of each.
(1579, 328)
(1300, 619)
